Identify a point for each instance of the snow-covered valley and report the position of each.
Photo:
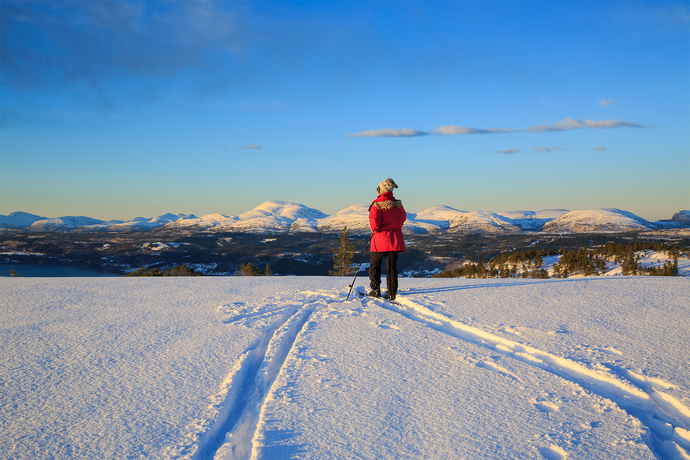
(284, 367)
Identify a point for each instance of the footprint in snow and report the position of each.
(386, 325)
(546, 407)
(512, 330)
(491, 366)
(552, 452)
(561, 330)
(252, 315)
(611, 351)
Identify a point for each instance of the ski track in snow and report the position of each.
(231, 424)
(227, 430)
(666, 419)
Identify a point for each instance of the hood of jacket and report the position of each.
(385, 201)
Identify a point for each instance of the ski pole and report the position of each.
(360, 266)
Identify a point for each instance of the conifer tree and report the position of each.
(248, 270)
(342, 259)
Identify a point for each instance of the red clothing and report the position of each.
(386, 218)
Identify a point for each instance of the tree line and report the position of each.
(181, 270)
(583, 261)
(522, 264)
(250, 270)
(343, 255)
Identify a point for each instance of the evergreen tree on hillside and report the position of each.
(342, 259)
(181, 270)
(248, 270)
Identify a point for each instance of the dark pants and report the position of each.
(376, 260)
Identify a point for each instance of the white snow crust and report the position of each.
(284, 367)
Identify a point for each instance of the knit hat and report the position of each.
(387, 186)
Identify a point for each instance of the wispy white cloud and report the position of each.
(563, 125)
(606, 102)
(569, 124)
(449, 130)
(507, 151)
(599, 148)
(390, 133)
(252, 146)
(548, 149)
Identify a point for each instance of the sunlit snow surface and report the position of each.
(283, 367)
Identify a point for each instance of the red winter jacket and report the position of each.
(386, 218)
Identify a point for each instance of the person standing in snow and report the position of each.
(386, 218)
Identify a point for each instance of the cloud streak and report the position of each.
(451, 130)
(548, 149)
(567, 124)
(390, 133)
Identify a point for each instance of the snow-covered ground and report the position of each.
(284, 367)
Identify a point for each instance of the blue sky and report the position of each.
(116, 110)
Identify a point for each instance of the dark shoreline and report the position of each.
(49, 270)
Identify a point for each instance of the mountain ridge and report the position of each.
(287, 217)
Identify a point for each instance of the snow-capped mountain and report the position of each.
(356, 218)
(277, 216)
(434, 219)
(143, 223)
(531, 220)
(682, 217)
(598, 220)
(269, 217)
(209, 221)
(286, 217)
(19, 220)
(63, 223)
(483, 221)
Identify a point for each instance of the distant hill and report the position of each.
(682, 217)
(599, 220)
(63, 223)
(19, 220)
(285, 217)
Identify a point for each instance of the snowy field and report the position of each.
(283, 367)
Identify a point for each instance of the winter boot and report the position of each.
(389, 296)
(375, 293)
